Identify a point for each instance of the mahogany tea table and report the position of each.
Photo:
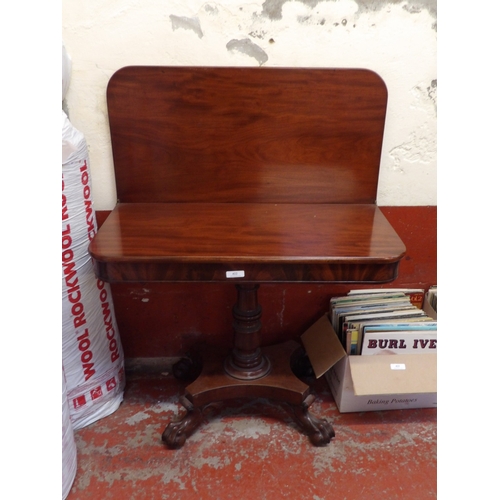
(246, 176)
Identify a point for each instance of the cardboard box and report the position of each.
(370, 383)
(427, 307)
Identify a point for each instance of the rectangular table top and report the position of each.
(257, 242)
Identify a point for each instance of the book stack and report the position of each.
(384, 321)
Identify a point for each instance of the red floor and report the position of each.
(252, 450)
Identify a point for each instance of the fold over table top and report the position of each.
(246, 242)
(246, 174)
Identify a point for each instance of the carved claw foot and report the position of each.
(320, 431)
(176, 433)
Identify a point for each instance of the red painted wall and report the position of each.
(166, 319)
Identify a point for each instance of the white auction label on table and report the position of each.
(398, 366)
(235, 274)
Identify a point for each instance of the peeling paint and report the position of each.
(418, 148)
(138, 417)
(246, 46)
(187, 23)
(273, 9)
(395, 38)
(432, 92)
(258, 34)
(425, 97)
(213, 10)
(247, 450)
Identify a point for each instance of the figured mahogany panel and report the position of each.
(264, 242)
(267, 135)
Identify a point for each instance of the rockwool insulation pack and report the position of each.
(92, 352)
(69, 452)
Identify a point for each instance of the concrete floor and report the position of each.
(252, 451)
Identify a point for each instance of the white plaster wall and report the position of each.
(395, 38)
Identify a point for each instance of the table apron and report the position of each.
(344, 272)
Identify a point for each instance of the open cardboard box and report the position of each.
(370, 383)
(428, 309)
